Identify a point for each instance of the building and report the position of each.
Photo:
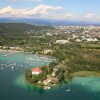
(89, 39)
(95, 40)
(62, 41)
(49, 34)
(92, 40)
(47, 81)
(36, 71)
(78, 40)
(48, 51)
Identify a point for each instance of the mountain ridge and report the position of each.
(48, 22)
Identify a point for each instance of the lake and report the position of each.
(13, 86)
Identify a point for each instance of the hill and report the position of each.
(19, 28)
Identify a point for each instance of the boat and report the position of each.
(68, 90)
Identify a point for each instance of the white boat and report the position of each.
(12, 68)
(68, 90)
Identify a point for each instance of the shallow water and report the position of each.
(13, 86)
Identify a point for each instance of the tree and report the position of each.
(28, 74)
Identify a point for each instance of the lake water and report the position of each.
(13, 86)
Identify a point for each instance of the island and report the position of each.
(47, 77)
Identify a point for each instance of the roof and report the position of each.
(36, 69)
(47, 80)
(47, 67)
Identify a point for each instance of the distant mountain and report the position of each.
(47, 22)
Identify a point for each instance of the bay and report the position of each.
(13, 86)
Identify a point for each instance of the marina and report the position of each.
(10, 53)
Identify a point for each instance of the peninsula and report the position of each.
(47, 77)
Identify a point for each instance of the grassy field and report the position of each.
(91, 46)
(86, 73)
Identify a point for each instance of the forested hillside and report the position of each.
(19, 28)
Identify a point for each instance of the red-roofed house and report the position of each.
(47, 81)
(36, 71)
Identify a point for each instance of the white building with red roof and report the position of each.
(36, 71)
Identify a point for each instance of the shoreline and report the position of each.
(39, 55)
(2, 50)
(76, 74)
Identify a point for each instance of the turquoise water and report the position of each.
(14, 87)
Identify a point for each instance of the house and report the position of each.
(62, 41)
(47, 81)
(78, 40)
(53, 74)
(36, 71)
(89, 39)
(49, 34)
(74, 36)
(48, 51)
(95, 40)
(92, 40)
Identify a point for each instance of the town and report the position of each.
(40, 39)
(72, 33)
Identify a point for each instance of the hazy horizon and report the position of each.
(72, 10)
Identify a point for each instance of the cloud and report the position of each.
(91, 16)
(38, 10)
(7, 9)
(42, 9)
(24, 0)
(46, 12)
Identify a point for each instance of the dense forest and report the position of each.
(19, 29)
(18, 34)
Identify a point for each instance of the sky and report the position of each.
(86, 10)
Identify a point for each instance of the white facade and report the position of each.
(92, 40)
(49, 34)
(62, 41)
(78, 40)
(35, 73)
